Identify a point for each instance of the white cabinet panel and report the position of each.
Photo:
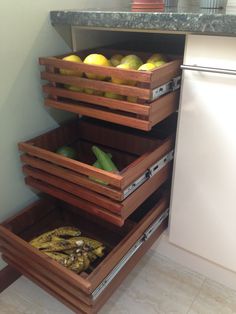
(203, 205)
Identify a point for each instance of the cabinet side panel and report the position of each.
(203, 205)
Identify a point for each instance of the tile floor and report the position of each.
(156, 285)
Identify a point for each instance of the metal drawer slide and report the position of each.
(147, 234)
(155, 168)
(166, 88)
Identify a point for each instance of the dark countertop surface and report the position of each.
(171, 20)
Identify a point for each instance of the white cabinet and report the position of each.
(203, 205)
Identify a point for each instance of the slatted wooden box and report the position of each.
(87, 292)
(143, 160)
(147, 111)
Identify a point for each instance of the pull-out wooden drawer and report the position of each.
(143, 160)
(154, 94)
(88, 291)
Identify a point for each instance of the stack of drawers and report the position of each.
(130, 211)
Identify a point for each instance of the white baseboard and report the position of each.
(194, 262)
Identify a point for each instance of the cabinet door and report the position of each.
(203, 205)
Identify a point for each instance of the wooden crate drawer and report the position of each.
(152, 101)
(85, 292)
(144, 163)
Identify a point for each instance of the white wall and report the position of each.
(26, 34)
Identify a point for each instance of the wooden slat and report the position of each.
(53, 266)
(24, 218)
(140, 165)
(113, 179)
(75, 201)
(165, 73)
(141, 76)
(72, 176)
(164, 107)
(43, 272)
(83, 109)
(67, 133)
(8, 275)
(120, 138)
(56, 292)
(114, 104)
(74, 189)
(132, 202)
(126, 90)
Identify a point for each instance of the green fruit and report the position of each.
(116, 60)
(67, 151)
(159, 63)
(156, 57)
(134, 61)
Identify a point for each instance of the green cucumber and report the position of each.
(104, 159)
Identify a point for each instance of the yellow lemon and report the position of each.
(113, 96)
(132, 99)
(134, 61)
(147, 67)
(156, 57)
(74, 88)
(96, 59)
(91, 91)
(116, 60)
(125, 66)
(71, 58)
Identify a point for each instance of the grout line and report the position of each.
(197, 294)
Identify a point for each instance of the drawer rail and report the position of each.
(147, 234)
(155, 168)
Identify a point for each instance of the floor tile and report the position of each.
(156, 285)
(24, 297)
(214, 298)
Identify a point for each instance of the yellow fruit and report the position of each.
(71, 58)
(73, 88)
(96, 59)
(159, 63)
(91, 91)
(134, 61)
(147, 67)
(156, 57)
(116, 60)
(132, 99)
(115, 80)
(113, 96)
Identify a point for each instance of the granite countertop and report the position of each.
(171, 20)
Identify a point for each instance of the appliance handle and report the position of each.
(207, 69)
